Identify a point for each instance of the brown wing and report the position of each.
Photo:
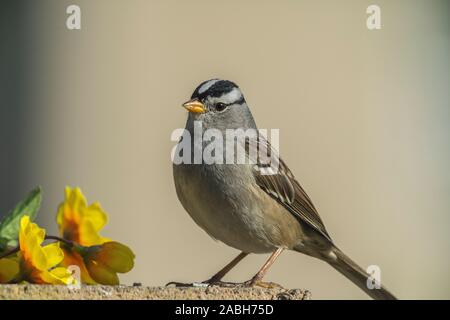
(282, 186)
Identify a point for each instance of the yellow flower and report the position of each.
(104, 262)
(72, 257)
(9, 268)
(98, 258)
(38, 264)
(79, 222)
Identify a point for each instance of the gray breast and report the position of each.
(221, 199)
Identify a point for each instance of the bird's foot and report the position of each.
(204, 284)
(217, 282)
(224, 284)
(258, 283)
(178, 284)
(186, 285)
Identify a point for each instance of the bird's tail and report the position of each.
(358, 276)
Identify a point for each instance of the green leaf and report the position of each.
(9, 226)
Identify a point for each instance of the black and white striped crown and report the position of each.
(216, 88)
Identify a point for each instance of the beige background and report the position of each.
(364, 120)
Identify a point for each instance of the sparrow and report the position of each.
(246, 208)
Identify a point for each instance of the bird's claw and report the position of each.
(258, 283)
(219, 283)
(223, 284)
(186, 285)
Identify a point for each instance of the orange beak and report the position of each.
(194, 106)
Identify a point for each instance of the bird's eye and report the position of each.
(220, 106)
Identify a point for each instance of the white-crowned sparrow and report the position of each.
(248, 210)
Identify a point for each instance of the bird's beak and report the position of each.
(194, 106)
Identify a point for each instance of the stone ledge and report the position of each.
(53, 292)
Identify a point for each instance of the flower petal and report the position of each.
(37, 263)
(56, 276)
(30, 239)
(102, 274)
(95, 214)
(75, 199)
(53, 254)
(72, 258)
(116, 256)
(78, 222)
(69, 210)
(9, 268)
(89, 235)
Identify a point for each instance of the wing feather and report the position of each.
(283, 187)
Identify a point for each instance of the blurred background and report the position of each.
(363, 118)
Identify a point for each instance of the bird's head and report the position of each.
(219, 104)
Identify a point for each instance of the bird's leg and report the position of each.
(257, 279)
(216, 279)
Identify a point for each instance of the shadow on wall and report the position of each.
(14, 85)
